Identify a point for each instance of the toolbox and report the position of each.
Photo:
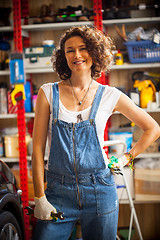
(38, 57)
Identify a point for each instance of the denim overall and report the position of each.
(78, 182)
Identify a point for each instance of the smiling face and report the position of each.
(77, 56)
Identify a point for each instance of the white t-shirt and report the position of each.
(108, 101)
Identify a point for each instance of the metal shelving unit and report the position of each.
(64, 25)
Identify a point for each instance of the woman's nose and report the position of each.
(77, 54)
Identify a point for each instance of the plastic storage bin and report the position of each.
(143, 51)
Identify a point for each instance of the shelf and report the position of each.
(6, 29)
(9, 160)
(4, 72)
(54, 26)
(149, 155)
(63, 25)
(146, 110)
(39, 70)
(134, 66)
(16, 159)
(12, 116)
(125, 201)
(142, 155)
(113, 67)
(132, 20)
(32, 114)
(151, 110)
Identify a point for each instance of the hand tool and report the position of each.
(116, 171)
(53, 215)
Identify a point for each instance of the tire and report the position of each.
(9, 227)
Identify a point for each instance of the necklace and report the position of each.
(85, 96)
(79, 116)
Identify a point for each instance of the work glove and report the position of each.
(43, 208)
(118, 162)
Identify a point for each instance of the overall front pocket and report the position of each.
(106, 194)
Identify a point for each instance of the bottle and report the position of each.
(119, 58)
(27, 103)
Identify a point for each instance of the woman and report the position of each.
(73, 114)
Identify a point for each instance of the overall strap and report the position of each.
(55, 100)
(96, 101)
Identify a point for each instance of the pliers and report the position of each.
(53, 215)
(116, 171)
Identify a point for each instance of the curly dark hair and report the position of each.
(98, 45)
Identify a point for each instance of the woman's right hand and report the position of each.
(43, 208)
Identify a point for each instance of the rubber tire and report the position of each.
(7, 217)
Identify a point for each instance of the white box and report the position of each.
(41, 62)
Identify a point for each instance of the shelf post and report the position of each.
(97, 6)
(21, 119)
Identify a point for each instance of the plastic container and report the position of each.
(27, 102)
(119, 58)
(34, 98)
(11, 146)
(143, 51)
(1, 147)
(126, 137)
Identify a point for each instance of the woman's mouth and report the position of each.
(78, 62)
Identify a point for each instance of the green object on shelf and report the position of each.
(124, 233)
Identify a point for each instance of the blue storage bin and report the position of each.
(143, 51)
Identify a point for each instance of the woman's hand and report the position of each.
(118, 162)
(43, 208)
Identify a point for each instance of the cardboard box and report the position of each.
(147, 184)
(122, 192)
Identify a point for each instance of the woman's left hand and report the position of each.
(118, 162)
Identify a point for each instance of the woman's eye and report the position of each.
(84, 48)
(69, 51)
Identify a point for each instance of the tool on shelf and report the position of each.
(147, 86)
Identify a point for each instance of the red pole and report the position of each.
(21, 119)
(97, 6)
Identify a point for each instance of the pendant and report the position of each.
(79, 118)
(80, 103)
